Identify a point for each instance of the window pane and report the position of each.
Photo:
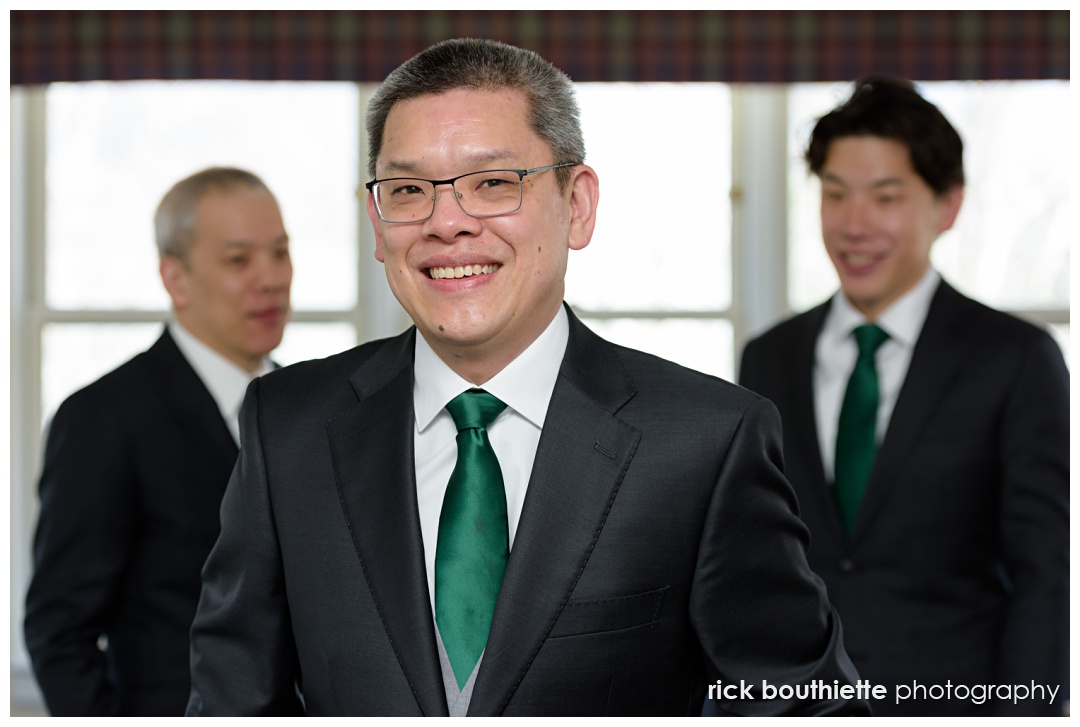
(705, 345)
(1010, 245)
(663, 231)
(76, 354)
(115, 148)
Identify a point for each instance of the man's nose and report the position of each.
(856, 218)
(275, 273)
(448, 219)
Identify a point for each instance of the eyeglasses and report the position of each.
(489, 193)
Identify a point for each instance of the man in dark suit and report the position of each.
(632, 542)
(137, 462)
(940, 521)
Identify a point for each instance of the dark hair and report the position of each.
(174, 220)
(891, 108)
(485, 65)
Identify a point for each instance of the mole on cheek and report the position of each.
(441, 328)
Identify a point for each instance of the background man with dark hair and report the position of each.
(925, 434)
(596, 531)
(136, 463)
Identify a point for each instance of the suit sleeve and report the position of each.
(760, 612)
(81, 547)
(243, 657)
(1034, 452)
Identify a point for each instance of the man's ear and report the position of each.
(174, 278)
(373, 215)
(950, 207)
(584, 196)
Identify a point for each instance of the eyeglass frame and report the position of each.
(522, 173)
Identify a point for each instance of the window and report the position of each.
(694, 248)
(657, 275)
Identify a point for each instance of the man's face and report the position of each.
(879, 219)
(232, 292)
(478, 324)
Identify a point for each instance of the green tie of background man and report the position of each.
(474, 539)
(856, 438)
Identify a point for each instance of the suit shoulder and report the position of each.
(1004, 325)
(120, 385)
(312, 376)
(998, 335)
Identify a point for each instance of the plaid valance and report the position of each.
(591, 45)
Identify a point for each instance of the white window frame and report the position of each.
(759, 295)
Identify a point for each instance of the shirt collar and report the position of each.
(903, 320)
(226, 381)
(525, 385)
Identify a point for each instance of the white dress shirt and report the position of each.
(226, 381)
(836, 352)
(525, 385)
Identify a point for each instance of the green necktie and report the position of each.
(473, 536)
(856, 436)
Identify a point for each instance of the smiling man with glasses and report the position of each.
(498, 512)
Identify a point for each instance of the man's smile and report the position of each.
(461, 271)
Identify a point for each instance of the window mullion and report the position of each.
(759, 208)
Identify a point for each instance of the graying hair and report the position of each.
(174, 220)
(486, 65)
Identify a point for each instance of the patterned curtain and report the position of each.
(594, 45)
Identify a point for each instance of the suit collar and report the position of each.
(371, 445)
(902, 320)
(524, 385)
(225, 381)
(801, 431)
(186, 398)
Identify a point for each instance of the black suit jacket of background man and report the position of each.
(958, 566)
(657, 551)
(135, 468)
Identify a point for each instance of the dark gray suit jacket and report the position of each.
(657, 551)
(135, 468)
(958, 566)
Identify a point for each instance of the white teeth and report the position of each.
(461, 271)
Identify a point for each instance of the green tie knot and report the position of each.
(474, 409)
(869, 338)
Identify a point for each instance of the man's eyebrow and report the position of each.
(401, 167)
(281, 239)
(876, 184)
(490, 157)
(474, 162)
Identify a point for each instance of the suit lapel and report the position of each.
(583, 453)
(803, 421)
(372, 448)
(190, 402)
(935, 363)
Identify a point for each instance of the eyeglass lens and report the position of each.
(483, 194)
